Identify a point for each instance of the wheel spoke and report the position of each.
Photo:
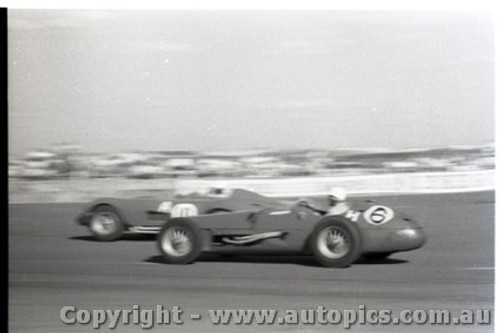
(176, 242)
(103, 224)
(333, 242)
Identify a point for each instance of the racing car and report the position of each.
(335, 239)
(110, 218)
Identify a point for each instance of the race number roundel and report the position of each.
(184, 210)
(378, 214)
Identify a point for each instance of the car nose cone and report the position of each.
(408, 239)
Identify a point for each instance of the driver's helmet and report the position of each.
(218, 188)
(337, 194)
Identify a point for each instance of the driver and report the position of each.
(218, 189)
(336, 204)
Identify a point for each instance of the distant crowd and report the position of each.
(62, 163)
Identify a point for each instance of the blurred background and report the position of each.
(148, 97)
(70, 162)
(67, 174)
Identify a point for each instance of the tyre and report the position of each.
(336, 242)
(179, 241)
(377, 255)
(105, 224)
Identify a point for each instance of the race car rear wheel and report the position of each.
(105, 223)
(179, 241)
(336, 243)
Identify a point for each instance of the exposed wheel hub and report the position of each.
(176, 242)
(333, 242)
(103, 224)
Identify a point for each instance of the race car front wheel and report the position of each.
(179, 241)
(105, 223)
(336, 243)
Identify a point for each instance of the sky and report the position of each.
(220, 80)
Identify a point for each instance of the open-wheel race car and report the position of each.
(336, 237)
(109, 219)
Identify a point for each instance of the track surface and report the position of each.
(54, 263)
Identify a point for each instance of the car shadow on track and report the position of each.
(385, 261)
(283, 259)
(127, 237)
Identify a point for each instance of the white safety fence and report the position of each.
(428, 182)
(88, 189)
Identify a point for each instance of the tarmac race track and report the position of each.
(55, 263)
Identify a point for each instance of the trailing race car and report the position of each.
(109, 218)
(335, 238)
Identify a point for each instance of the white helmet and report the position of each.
(338, 193)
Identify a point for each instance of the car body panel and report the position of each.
(398, 234)
(144, 211)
